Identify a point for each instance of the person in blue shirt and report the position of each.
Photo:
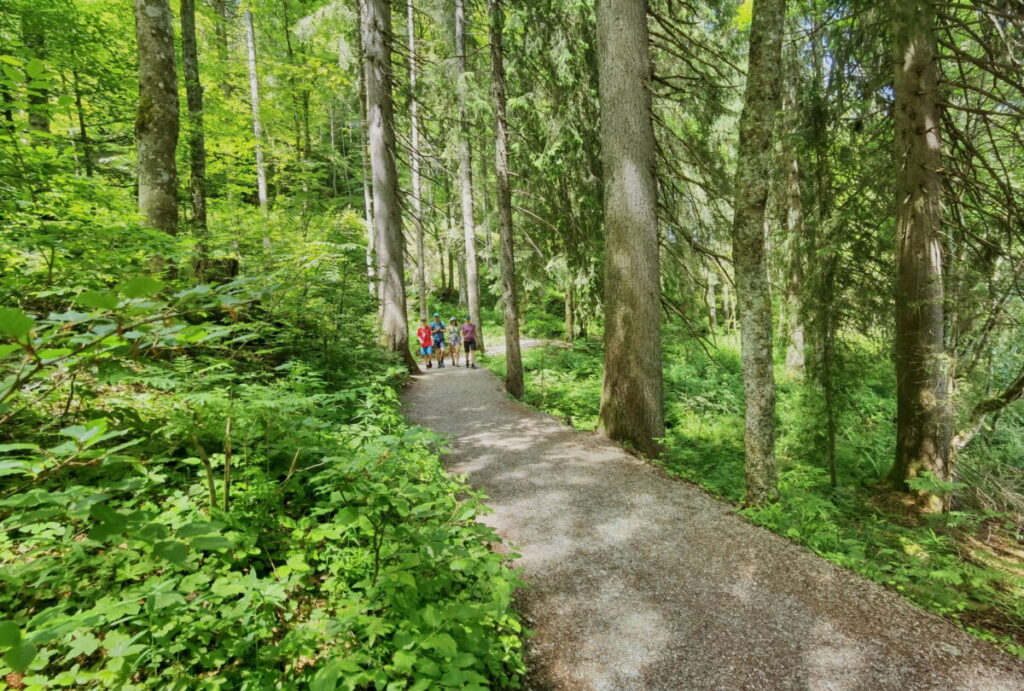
(437, 329)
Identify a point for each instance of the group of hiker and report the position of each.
(436, 339)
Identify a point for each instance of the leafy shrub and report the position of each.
(213, 487)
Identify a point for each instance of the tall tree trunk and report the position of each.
(257, 123)
(83, 133)
(375, 16)
(39, 96)
(570, 311)
(156, 124)
(509, 299)
(728, 315)
(225, 10)
(466, 175)
(794, 226)
(414, 155)
(709, 298)
(364, 142)
(196, 132)
(754, 170)
(632, 399)
(463, 299)
(923, 415)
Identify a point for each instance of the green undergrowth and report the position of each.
(213, 487)
(939, 562)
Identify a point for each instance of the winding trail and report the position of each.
(641, 581)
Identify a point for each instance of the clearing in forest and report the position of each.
(639, 580)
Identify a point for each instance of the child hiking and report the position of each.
(437, 332)
(426, 342)
(454, 340)
(469, 341)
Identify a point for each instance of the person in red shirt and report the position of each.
(469, 341)
(426, 339)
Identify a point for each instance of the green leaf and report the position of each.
(6, 350)
(442, 643)
(119, 644)
(14, 467)
(140, 287)
(404, 660)
(347, 516)
(4, 448)
(198, 528)
(171, 550)
(83, 434)
(160, 601)
(97, 300)
(211, 542)
(34, 68)
(10, 634)
(84, 644)
(327, 678)
(14, 323)
(20, 656)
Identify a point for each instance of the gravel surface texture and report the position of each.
(640, 581)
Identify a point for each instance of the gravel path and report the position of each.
(640, 581)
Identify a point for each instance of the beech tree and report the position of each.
(755, 165)
(631, 400)
(156, 123)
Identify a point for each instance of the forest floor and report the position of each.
(640, 580)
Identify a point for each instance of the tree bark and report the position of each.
(466, 175)
(923, 414)
(753, 171)
(570, 311)
(83, 132)
(38, 97)
(257, 123)
(794, 220)
(156, 124)
(371, 242)
(509, 299)
(710, 300)
(414, 155)
(375, 16)
(196, 132)
(632, 398)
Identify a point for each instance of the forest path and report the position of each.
(641, 581)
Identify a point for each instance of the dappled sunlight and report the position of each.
(634, 578)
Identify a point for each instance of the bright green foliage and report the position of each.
(344, 552)
(704, 411)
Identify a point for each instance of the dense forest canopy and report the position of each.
(781, 244)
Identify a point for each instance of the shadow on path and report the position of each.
(641, 581)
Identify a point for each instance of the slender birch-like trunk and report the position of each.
(509, 300)
(375, 25)
(371, 242)
(257, 123)
(156, 124)
(414, 155)
(632, 398)
(754, 169)
(472, 283)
